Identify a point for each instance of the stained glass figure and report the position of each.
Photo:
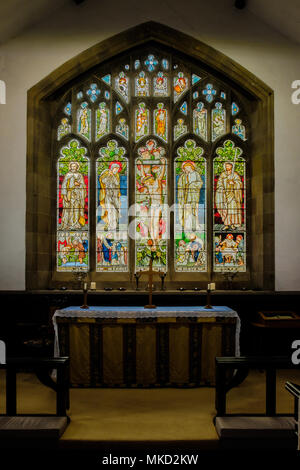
(118, 108)
(141, 85)
(102, 121)
(63, 129)
(137, 64)
(160, 123)
(160, 85)
(72, 208)
(106, 79)
(209, 92)
(190, 208)
(142, 121)
(195, 79)
(68, 109)
(122, 86)
(183, 108)
(179, 129)
(200, 121)
(195, 95)
(229, 208)
(218, 118)
(165, 64)
(72, 252)
(79, 95)
(229, 252)
(151, 63)
(123, 129)
(151, 207)
(112, 209)
(239, 129)
(234, 109)
(84, 120)
(180, 86)
(93, 92)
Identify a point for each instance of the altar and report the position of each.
(137, 347)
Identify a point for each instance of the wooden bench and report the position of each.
(248, 430)
(23, 430)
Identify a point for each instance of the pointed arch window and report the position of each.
(157, 132)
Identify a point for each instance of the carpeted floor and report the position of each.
(134, 415)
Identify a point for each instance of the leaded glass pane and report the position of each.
(142, 85)
(122, 86)
(229, 209)
(200, 121)
(63, 129)
(102, 121)
(160, 122)
(218, 124)
(239, 129)
(190, 209)
(142, 122)
(112, 208)
(151, 213)
(72, 208)
(84, 121)
(181, 84)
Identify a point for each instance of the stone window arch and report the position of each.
(224, 117)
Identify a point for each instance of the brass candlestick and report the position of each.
(85, 305)
(208, 297)
(150, 273)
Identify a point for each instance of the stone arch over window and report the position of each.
(249, 156)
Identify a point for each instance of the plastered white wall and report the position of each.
(29, 57)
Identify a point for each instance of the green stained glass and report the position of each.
(229, 209)
(190, 251)
(72, 208)
(151, 207)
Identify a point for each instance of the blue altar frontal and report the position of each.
(133, 346)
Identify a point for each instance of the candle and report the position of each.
(85, 286)
(93, 285)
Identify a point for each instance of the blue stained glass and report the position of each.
(183, 108)
(234, 109)
(107, 79)
(126, 67)
(119, 108)
(107, 95)
(195, 95)
(79, 95)
(151, 63)
(137, 64)
(165, 64)
(223, 95)
(195, 79)
(209, 92)
(68, 109)
(93, 92)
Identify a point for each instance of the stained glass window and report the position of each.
(72, 244)
(112, 208)
(160, 136)
(190, 213)
(151, 206)
(229, 208)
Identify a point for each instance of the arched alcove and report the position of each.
(257, 100)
